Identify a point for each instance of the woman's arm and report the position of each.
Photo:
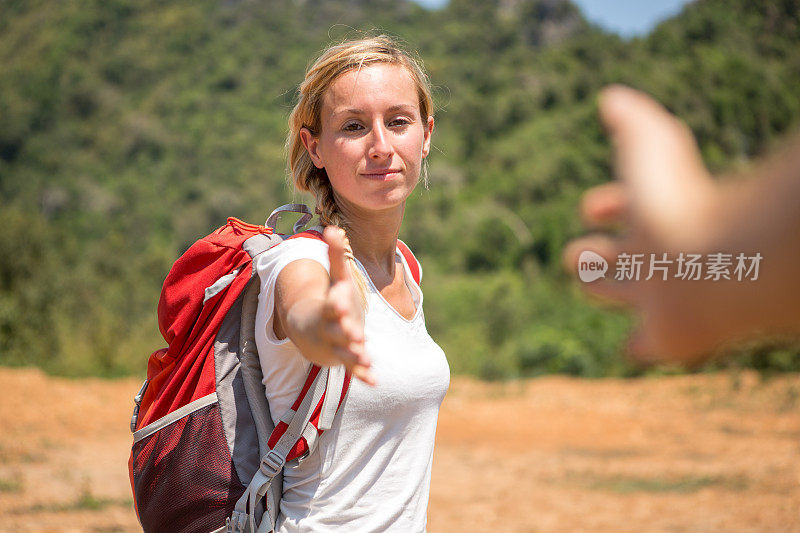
(322, 314)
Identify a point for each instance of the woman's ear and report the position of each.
(311, 142)
(426, 142)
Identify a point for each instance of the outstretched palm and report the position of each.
(343, 313)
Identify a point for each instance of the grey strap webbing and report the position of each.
(336, 376)
(251, 366)
(254, 388)
(272, 462)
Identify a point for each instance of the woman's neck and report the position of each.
(373, 236)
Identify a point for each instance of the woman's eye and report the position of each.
(400, 122)
(352, 126)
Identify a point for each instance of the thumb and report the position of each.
(655, 153)
(334, 237)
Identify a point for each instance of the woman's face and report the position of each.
(372, 139)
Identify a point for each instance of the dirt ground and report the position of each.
(690, 453)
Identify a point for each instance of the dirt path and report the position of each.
(690, 453)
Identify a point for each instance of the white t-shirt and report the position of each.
(371, 471)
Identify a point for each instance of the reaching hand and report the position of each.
(342, 314)
(666, 202)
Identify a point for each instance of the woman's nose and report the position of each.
(380, 147)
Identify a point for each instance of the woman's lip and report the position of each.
(381, 174)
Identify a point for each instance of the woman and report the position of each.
(358, 138)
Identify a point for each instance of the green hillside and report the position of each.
(128, 129)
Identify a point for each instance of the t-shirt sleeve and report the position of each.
(270, 264)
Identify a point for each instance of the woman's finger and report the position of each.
(602, 252)
(356, 362)
(363, 373)
(604, 206)
(350, 355)
(604, 246)
(336, 303)
(353, 328)
(341, 333)
(334, 335)
(334, 237)
(656, 157)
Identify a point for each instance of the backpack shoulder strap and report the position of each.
(294, 436)
(413, 264)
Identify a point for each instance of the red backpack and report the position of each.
(206, 455)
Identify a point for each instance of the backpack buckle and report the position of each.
(271, 464)
(137, 401)
(238, 524)
(302, 209)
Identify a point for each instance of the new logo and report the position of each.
(591, 266)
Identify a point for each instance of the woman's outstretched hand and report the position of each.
(343, 314)
(321, 313)
(665, 201)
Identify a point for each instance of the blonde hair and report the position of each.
(332, 63)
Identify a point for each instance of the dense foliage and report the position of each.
(130, 128)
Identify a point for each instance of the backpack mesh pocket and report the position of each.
(183, 476)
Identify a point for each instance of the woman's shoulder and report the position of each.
(306, 245)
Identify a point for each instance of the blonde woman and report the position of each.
(358, 138)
